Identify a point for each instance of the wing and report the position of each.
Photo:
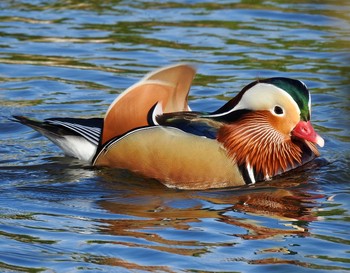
(167, 87)
(76, 137)
(90, 129)
(191, 122)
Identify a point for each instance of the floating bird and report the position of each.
(149, 129)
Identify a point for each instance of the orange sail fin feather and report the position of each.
(149, 129)
(167, 87)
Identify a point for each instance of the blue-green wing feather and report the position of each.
(190, 122)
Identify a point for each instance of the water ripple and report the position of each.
(72, 58)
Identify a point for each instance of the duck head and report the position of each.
(267, 128)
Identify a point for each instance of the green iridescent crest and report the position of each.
(297, 90)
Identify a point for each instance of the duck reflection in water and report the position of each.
(147, 211)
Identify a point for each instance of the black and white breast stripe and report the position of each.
(250, 176)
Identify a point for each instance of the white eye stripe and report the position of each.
(262, 96)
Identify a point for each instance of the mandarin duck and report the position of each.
(149, 129)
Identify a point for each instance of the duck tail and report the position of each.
(76, 137)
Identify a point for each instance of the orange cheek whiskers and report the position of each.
(254, 142)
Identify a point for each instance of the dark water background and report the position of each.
(72, 58)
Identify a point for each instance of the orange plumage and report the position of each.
(149, 129)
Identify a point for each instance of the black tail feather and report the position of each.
(90, 129)
(44, 127)
(76, 137)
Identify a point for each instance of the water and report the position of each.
(72, 58)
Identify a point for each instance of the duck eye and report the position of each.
(278, 110)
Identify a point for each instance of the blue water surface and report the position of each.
(72, 58)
